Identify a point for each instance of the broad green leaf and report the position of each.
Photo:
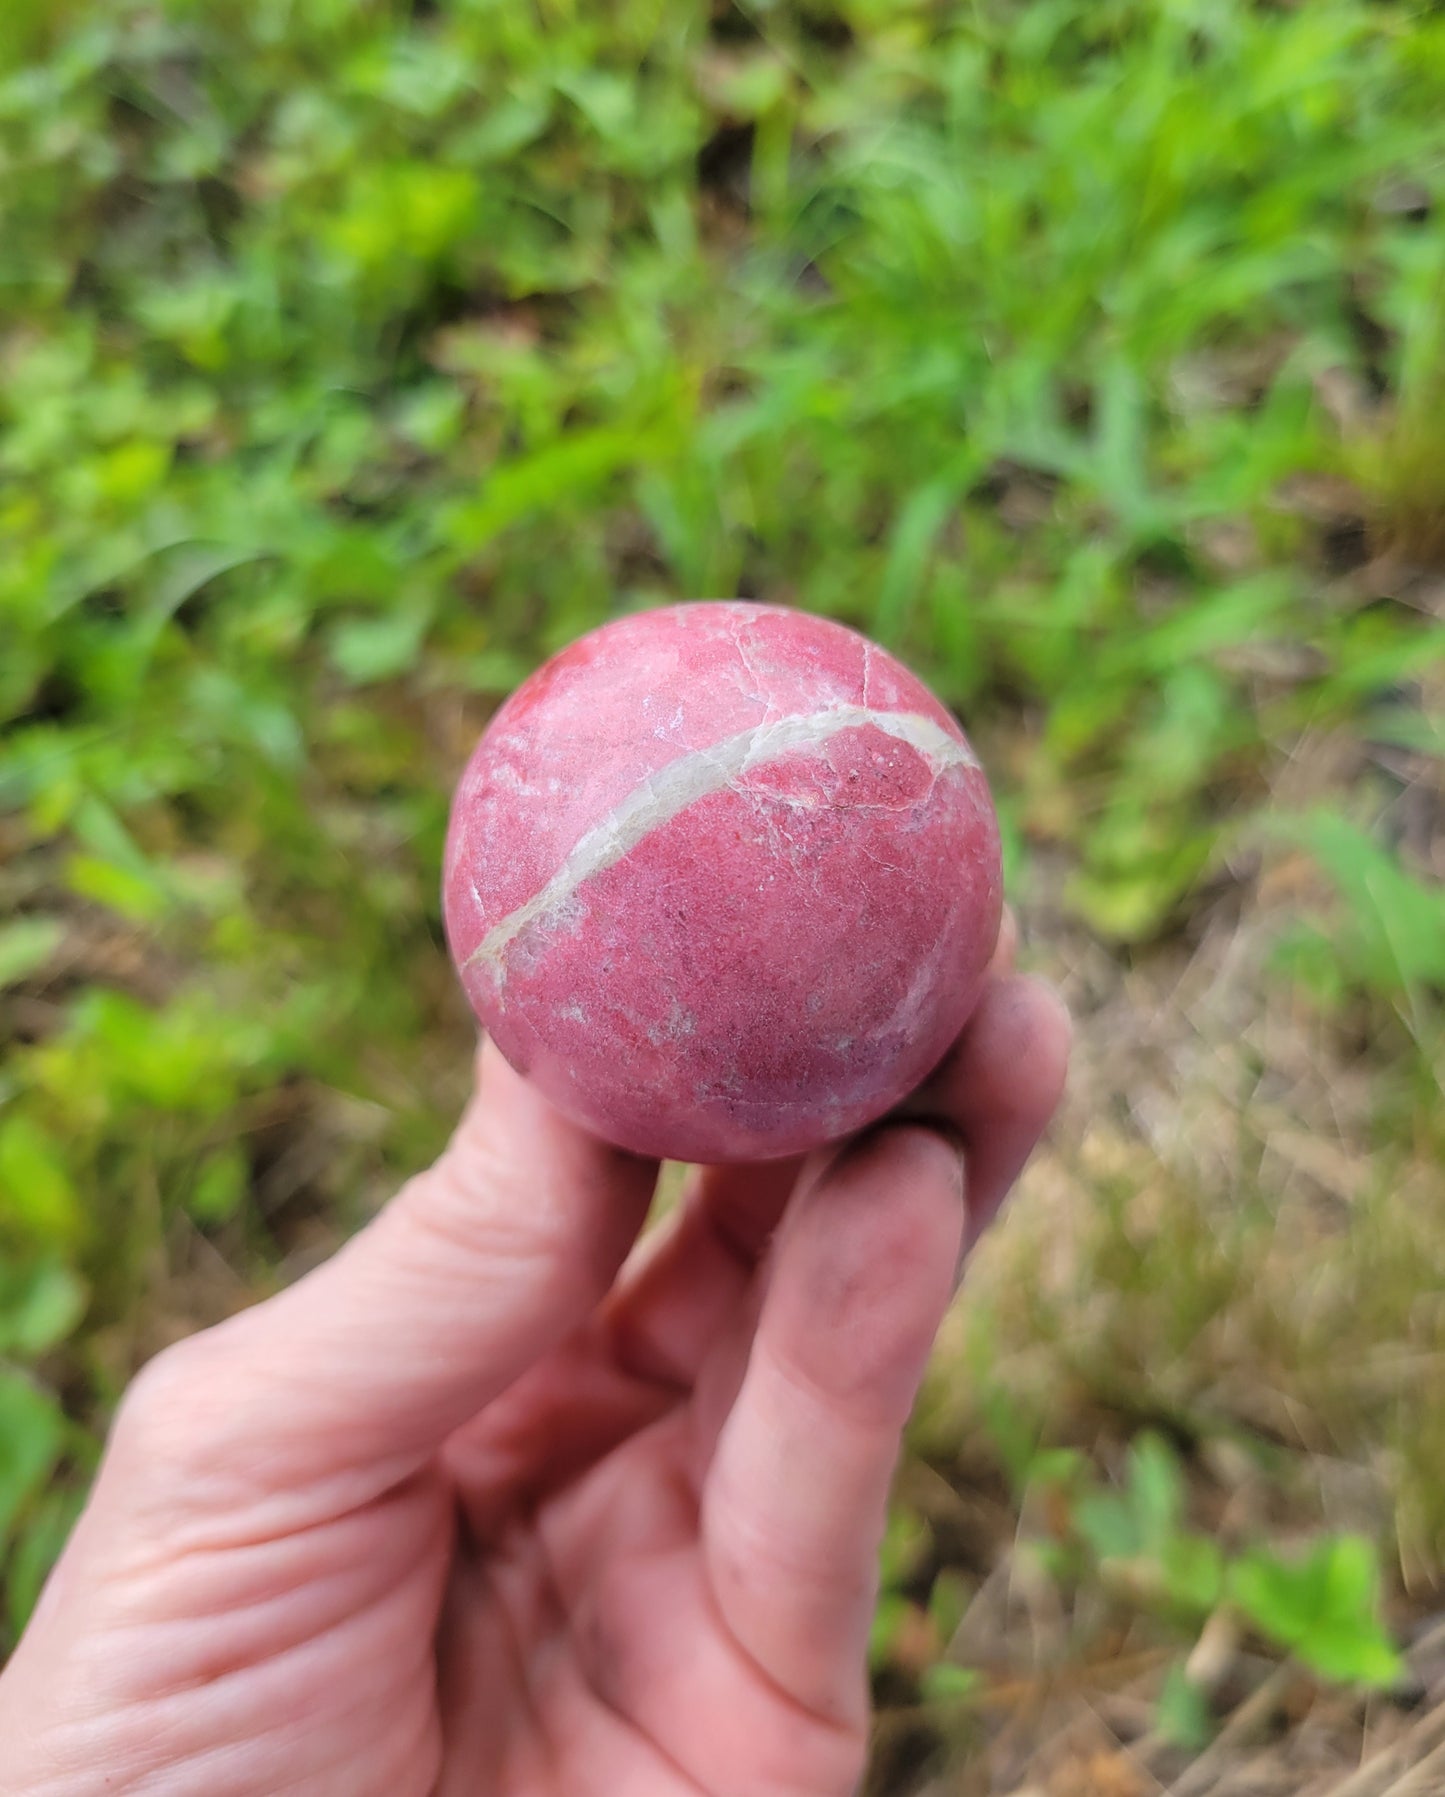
(946, 1683)
(1323, 1608)
(32, 1431)
(1156, 1491)
(45, 1533)
(905, 1541)
(948, 1602)
(1352, 1653)
(371, 649)
(1132, 905)
(115, 872)
(219, 1187)
(556, 477)
(26, 945)
(889, 1620)
(138, 899)
(1108, 1523)
(37, 1196)
(40, 1305)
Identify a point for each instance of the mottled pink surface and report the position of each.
(777, 910)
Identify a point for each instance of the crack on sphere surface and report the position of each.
(725, 879)
(661, 797)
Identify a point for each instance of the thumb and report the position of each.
(360, 1371)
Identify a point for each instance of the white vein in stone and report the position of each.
(696, 775)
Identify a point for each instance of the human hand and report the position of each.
(475, 1508)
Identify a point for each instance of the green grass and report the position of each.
(354, 356)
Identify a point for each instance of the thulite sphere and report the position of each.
(723, 880)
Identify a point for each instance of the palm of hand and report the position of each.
(602, 1642)
(640, 1558)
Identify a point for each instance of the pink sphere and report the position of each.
(723, 880)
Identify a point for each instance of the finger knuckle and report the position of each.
(168, 1418)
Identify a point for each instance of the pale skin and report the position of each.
(493, 1506)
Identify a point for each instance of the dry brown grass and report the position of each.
(1223, 1239)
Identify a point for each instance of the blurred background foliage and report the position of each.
(355, 354)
